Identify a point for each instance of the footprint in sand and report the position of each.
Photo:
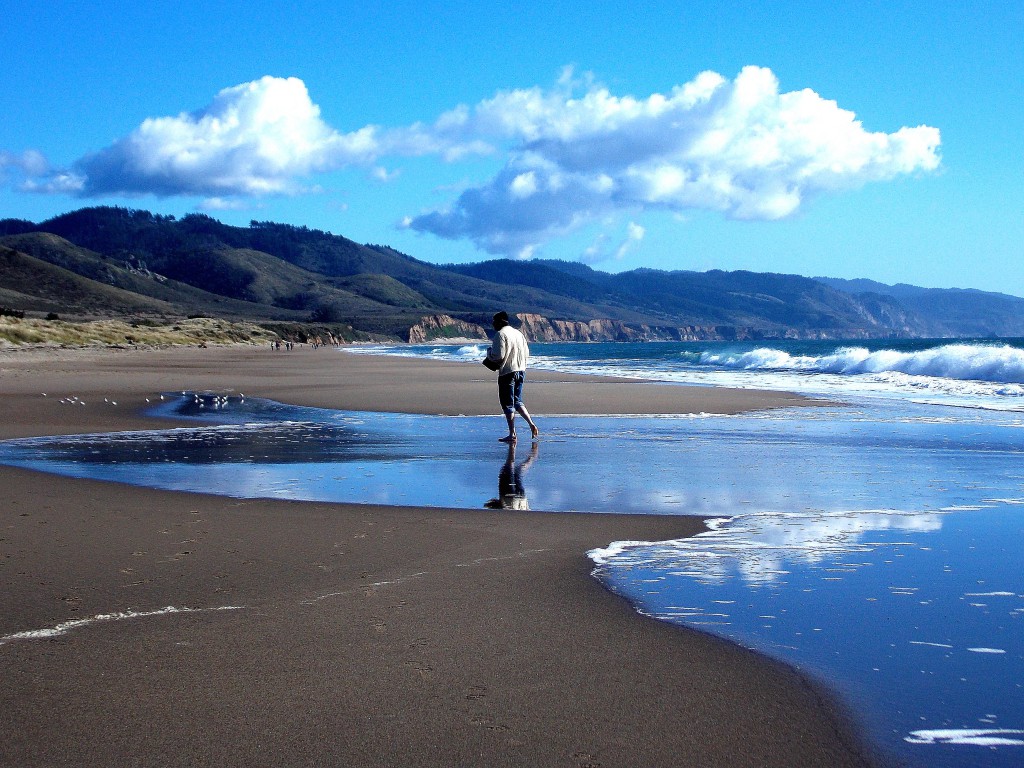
(475, 693)
(486, 722)
(425, 671)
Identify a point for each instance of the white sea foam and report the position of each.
(757, 545)
(977, 737)
(979, 362)
(983, 362)
(602, 555)
(474, 351)
(975, 375)
(966, 375)
(67, 626)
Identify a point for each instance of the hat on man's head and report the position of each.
(500, 319)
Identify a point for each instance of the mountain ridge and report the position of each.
(285, 273)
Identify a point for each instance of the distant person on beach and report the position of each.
(508, 355)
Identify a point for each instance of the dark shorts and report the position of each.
(510, 390)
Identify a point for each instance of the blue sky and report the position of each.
(865, 139)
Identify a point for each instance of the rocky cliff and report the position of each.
(440, 327)
(539, 328)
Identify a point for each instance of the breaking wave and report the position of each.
(973, 374)
(964, 362)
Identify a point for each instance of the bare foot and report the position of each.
(536, 432)
(509, 439)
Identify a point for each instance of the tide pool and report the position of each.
(875, 545)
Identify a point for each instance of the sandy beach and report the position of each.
(353, 635)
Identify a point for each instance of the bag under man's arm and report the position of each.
(496, 352)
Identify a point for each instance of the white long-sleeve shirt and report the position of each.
(509, 347)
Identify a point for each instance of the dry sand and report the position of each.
(356, 635)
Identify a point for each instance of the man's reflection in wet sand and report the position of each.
(511, 493)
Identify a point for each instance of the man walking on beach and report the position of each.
(508, 355)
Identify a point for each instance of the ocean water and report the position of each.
(972, 374)
(873, 543)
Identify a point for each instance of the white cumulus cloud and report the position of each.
(572, 155)
(257, 138)
(31, 162)
(254, 138)
(740, 147)
(634, 235)
(35, 173)
(599, 250)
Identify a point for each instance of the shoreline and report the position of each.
(365, 635)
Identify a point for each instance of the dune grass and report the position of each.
(22, 332)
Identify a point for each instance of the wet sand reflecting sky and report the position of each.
(876, 547)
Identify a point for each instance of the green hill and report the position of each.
(122, 261)
(29, 283)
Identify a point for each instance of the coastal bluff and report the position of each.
(441, 327)
(539, 328)
(435, 328)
